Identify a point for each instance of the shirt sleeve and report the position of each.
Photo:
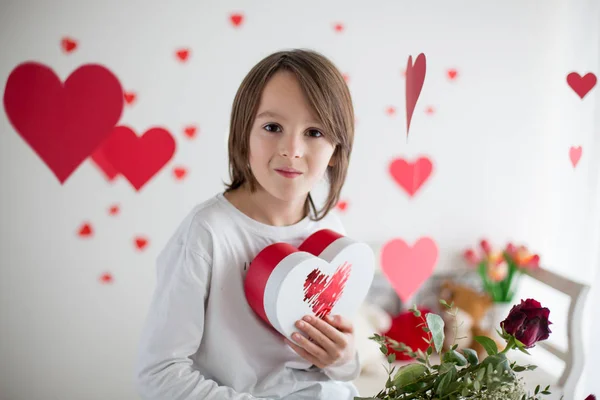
(173, 331)
(348, 371)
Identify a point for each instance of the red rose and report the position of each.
(528, 322)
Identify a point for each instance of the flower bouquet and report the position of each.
(460, 375)
(500, 270)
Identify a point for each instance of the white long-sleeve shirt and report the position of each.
(202, 341)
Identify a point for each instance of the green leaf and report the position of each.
(455, 357)
(471, 356)
(409, 374)
(436, 326)
(488, 344)
(391, 358)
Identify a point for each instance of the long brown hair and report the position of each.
(329, 96)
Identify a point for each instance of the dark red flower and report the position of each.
(528, 322)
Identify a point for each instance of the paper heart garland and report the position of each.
(63, 123)
(327, 274)
(406, 267)
(415, 77)
(581, 84)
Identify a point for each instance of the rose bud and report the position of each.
(528, 322)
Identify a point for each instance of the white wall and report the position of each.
(499, 141)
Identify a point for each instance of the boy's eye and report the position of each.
(315, 133)
(271, 125)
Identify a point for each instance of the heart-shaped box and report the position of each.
(327, 274)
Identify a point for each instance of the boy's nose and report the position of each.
(291, 147)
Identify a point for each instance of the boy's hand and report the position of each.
(332, 341)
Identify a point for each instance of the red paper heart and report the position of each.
(63, 123)
(236, 19)
(99, 159)
(141, 243)
(190, 131)
(85, 230)
(106, 278)
(179, 172)
(139, 158)
(342, 205)
(411, 175)
(415, 77)
(114, 210)
(322, 292)
(581, 85)
(430, 110)
(405, 267)
(338, 27)
(182, 54)
(575, 155)
(129, 97)
(68, 44)
(390, 110)
(452, 74)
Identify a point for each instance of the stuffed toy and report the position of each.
(472, 308)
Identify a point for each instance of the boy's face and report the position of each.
(286, 135)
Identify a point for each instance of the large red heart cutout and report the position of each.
(63, 123)
(327, 274)
(138, 158)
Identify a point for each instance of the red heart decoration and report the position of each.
(415, 77)
(390, 110)
(139, 158)
(342, 205)
(183, 54)
(129, 97)
(575, 155)
(328, 273)
(85, 230)
(429, 110)
(68, 45)
(179, 172)
(405, 267)
(581, 85)
(190, 131)
(99, 159)
(63, 123)
(452, 73)
(141, 243)
(411, 176)
(338, 27)
(114, 210)
(106, 278)
(236, 19)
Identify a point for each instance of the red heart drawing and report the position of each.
(182, 54)
(581, 85)
(342, 205)
(415, 77)
(323, 292)
(85, 230)
(99, 159)
(114, 209)
(63, 123)
(139, 158)
(236, 19)
(338, 27)
(452, 73)
(106, 278)
(405, 267)
(129, 97)
(190, 131)
(179, 172)
(68, 44)
(575, 155)
(328, 273)
(141, 243)
(411, 175)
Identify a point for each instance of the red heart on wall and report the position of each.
(415, 77)
(406, 267)
(99, 159)
(327, 274)
(575, 155)
(139, 158)
(581, 84)
(68, 45)
(182, 54)
(411, 175)
(236, 19)
(63, 123)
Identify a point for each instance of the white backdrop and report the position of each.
(498, 137)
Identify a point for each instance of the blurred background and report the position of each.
(514, 151)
